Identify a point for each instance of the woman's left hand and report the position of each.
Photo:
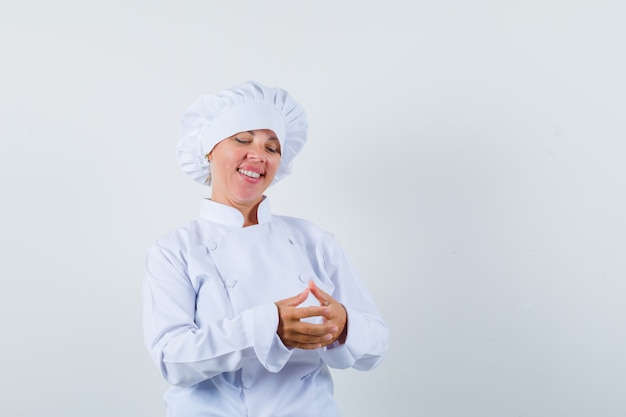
(337, 314)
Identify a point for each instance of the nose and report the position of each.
(256, 153)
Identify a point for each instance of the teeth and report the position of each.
(250, 174)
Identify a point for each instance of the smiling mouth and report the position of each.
(250, 174)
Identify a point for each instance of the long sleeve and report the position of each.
(367, 339)
(210, 319)
(187, 353)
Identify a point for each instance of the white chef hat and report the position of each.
(247, 106)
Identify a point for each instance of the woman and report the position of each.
(245, 311)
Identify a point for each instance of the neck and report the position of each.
(250, 215)
(248, 211)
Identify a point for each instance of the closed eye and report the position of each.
(241, 140)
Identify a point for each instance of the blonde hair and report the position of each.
(207, 181)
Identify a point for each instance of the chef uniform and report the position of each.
(210, 318)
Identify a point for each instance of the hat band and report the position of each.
(242, 118)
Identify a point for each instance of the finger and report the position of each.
(321, 296)
(307, 332)
(302, 331)
(305, 335)
(306, 346)
(310, 311)
(300, 298)
(310, 340)
(295, 300)
(309, 337)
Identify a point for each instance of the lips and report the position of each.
(248, 173)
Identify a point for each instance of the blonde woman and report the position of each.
(245, 311)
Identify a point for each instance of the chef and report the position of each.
(245, 311)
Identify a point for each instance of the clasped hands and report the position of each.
(295, 333)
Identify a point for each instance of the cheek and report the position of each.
(219, 168)
(275, 162)
(224, 160)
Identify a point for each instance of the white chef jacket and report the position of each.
(210, 320)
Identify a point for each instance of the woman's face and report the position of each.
(243, 166)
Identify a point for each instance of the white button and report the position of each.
(230, 283)
(212, 245)
(302, 278)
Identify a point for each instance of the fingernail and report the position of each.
(334, 329)
(328, 337)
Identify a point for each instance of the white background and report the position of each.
(468, 155)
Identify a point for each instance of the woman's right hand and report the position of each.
(295, 333)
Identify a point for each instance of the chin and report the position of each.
(249, 199)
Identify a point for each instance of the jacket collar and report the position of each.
(230, 216)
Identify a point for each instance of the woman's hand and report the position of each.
(337, 315)
(295, 333)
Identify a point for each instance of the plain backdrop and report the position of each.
(469, 156)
